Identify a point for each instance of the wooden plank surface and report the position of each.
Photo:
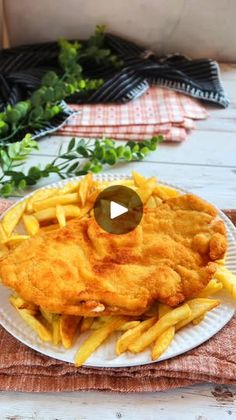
(202, 402)
(205, 164)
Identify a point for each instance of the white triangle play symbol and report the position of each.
(117, 210)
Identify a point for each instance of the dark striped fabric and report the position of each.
(22, 68)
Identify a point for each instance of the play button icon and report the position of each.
(118, 209)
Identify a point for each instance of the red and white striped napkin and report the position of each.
(158, 111)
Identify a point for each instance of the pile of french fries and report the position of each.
(50, 209)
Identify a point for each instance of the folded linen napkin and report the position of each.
(158, 111)
(23, 369)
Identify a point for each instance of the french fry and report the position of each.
(68, 328)
(50, 213)
(198, 307)
(86, 324)
(129, 325)
(12, 217)
(50, 228)
(168, 320)
(17, 239)
(70, 187)
(84, 187)
(158, 201)
(146, 190)
(72, 211)
(164, 192)
(133, 334)
(53, 320)
(96, 339)
(98, 323)
(20, 303)
(40, 195)
(86, 209)
(213, 287)
(162, 343)
(61, 199)
(3, 235)
(163, 309)
(60, 215)
(48, 316)
(56, 334)
(139, 179)
(151, 203)
(91, 198)
(35, 324)
(125, 182)
(227, 278)
(197, 321)
(31, 224)
(221, 261)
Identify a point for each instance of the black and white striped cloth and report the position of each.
(22, 68)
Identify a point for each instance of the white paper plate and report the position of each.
(186, 339)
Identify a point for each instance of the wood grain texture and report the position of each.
(206, 165)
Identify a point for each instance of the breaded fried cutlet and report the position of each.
(81, 270)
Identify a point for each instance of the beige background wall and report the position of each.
(199, 28)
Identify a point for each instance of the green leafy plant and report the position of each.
(96, 51)
(68, 163)
(45, 102)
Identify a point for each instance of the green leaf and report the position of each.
(81, 172)
(49, 95)
(50, 78)
(110, 157)
(120, 151)
(6, 190)
(14, 116)
(127, 153)
(73, 167)
(144, 150)
(37, 113)
(37, 97)
(34, 173)
(109, 142)
(23, 107)
(71, 145)
(3, 116)
(6, 161)
(96, 168)
(4, 127)
(99, 152)
(22, 184)
(81, 150)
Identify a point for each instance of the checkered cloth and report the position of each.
(158, 111)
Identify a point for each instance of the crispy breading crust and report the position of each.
(82, 270)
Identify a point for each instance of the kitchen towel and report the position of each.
(22, 68)
(158, 111)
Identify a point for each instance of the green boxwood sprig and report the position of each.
(68, 163)
(45, 102)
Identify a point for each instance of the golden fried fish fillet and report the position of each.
(82, 270)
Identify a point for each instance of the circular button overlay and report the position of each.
(118, 209)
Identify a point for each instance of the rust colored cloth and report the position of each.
(23, 369)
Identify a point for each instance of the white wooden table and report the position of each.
(206, 165)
